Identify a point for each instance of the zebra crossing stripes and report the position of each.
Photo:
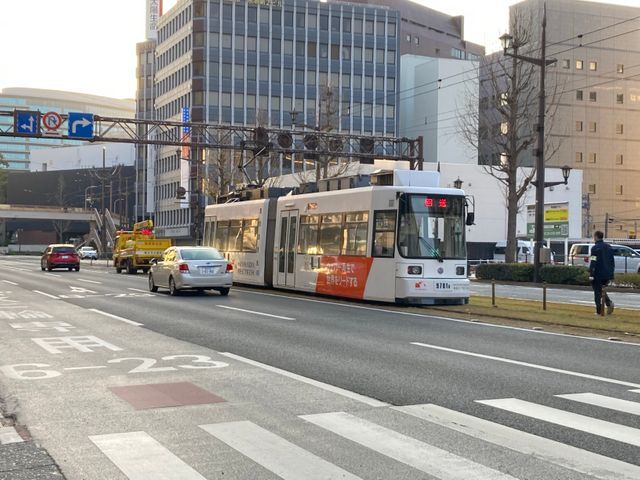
(274, 453)
(613, 431)
(603, 401)
(141, 457)
(572, 458)
(9, 435)
(422, 456)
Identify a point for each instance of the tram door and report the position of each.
(287, 248)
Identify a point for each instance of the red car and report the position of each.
(60, 256)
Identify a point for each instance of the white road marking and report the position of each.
(283, 458)
(530, 365)
(51, 274)
(83, 344)
(582, 461)
(89, 281)
(10, 282)
(256, 313)
(141, 457)
(614, 431)
(604, 402)
(9, 435)
(447, 319)
(46, 294)
(635, 391)
(138, 290)
(372, 402)
(116, 317)
(86, 368)
(422, 456)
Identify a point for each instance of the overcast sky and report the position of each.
(89, 45)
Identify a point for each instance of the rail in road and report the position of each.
(120, 383)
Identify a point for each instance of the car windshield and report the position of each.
(200, 254)
(63, 250)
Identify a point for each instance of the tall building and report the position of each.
(596, 126)
(249, 62)
(17, 150)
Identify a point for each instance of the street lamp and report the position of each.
(87, 199)
(566, 170)
(542, 62)
(457, 183)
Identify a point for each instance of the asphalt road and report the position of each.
(561, 295)
(507, 376)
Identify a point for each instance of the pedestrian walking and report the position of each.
(602, 269)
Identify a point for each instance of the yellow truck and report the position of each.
(134, 249)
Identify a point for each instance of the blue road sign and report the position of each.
(80, 125)
(26, 122)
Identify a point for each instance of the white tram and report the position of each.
(400, 243)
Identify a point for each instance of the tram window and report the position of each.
(330, 234)
(208, 227)
(249, 235)
(384, 226)
(235, 236)
(355, 233)
(222, 234)
(308, 236)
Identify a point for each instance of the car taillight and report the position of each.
(184, 267)
(229, 268)
(586, 259)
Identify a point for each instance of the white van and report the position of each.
(524, 253)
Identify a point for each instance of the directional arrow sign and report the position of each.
(26, 122)
(80, 125)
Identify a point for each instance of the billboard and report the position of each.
(556, 220)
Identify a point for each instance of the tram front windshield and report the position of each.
(432, 226)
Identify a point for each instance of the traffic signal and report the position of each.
(181, 193)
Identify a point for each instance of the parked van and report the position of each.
(524, 252)
(627, 259)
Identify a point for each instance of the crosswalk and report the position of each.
(139, 456)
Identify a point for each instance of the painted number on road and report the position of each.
(15, 371)
(147, 364)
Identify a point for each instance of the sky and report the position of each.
(88, 46)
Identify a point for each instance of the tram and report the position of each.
(402, 243)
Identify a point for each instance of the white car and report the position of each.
(193, 268)
(88, 252)
(627, 260)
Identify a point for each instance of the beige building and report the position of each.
(597, 122)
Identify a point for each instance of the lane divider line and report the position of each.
(372, 402)
(116, 317)
(255, 313)
(530, 365)
(10, 282)
(89, 281)
(9, 435)
(52, 274)
(429, 317)
(46, 294)
(138, 290)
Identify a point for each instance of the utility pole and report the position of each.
(606, 225)
(103, 230)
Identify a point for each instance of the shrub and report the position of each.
(627, 280)
(511, 272)
(567, 275)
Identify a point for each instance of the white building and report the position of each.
(82, 156)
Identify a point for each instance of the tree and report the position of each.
(500, 120)
(4, 174)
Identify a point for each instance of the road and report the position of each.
(561, 295)
(312, 387)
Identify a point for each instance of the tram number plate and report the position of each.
(443, 286)
(208, 270)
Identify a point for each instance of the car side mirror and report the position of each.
(471, 218)
(153, 261)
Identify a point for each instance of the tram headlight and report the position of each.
(459, 270)
(414, 270)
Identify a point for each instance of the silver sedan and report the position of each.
(195, 268)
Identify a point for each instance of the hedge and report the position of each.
(627, 280)
(523, 272)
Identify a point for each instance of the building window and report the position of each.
(618, 189)
(579, 64)
(593, 66)
(416, 40)
(579, 94)
(578, 126)
(620, 98)
(619, 128)
(592, 158)
(592, 188)
(391, 29)
(619, 159)
(408, 38)
(620, 68)
(566, 63)
(592, 127)
(379, 55)
(578, 157)
(368, 55)
(457, 53)
(593, 96)
(368, 27)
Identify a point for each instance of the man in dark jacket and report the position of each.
(601, 269)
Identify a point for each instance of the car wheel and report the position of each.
(70, 269)
(224, 291)
(49, 268)
(152, 285)
(200, 291)
(173, 290)
(130, 269)
(42, 267)
(118, 268)
(77, 268)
